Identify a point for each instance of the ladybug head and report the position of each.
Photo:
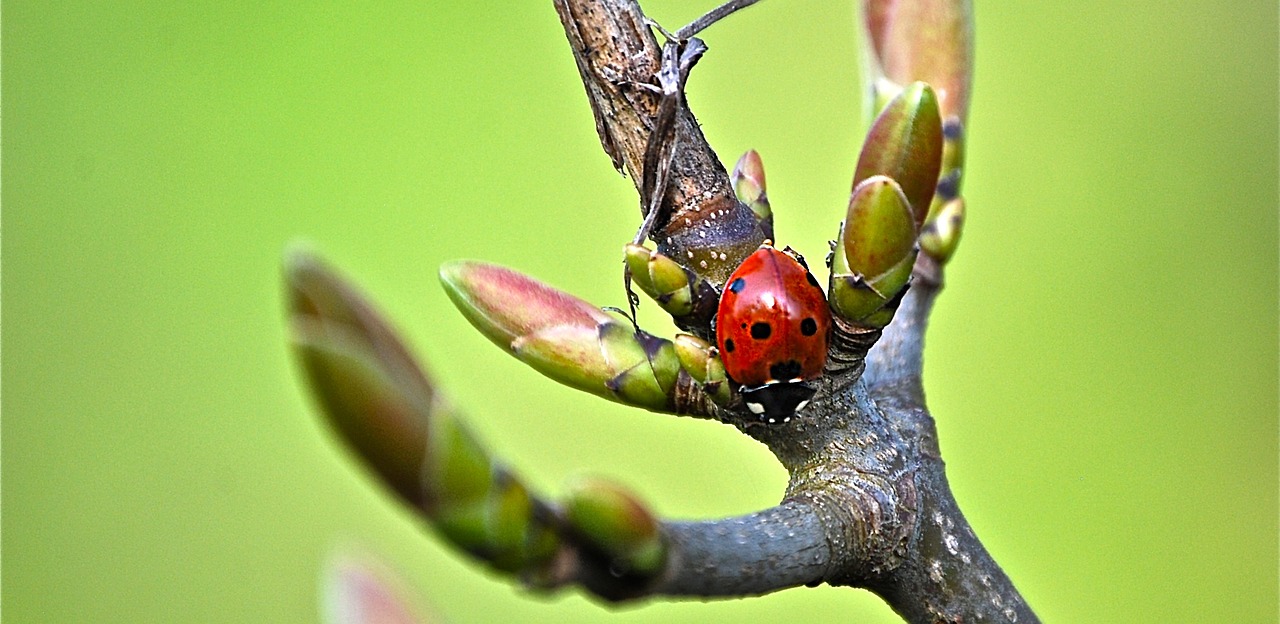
(777, 402)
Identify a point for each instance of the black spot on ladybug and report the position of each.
(808, 326)
(728, 345)
(737, 285)
(813, 281)
(761, 330)
(785, 371)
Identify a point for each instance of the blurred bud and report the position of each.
(941, 234)
(356, 588)
(618, 524)
(372, 392)
(922, 40)
(377, 399)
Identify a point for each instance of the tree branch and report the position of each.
(895, 364)
(780, 547)
(867, 504)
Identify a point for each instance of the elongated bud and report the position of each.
(505, 304)
(611, 360)
(480, 507)
(699, 359)
(941, 233)
(372, 392)
(566, 338)
(381, 405)
(873, 259)
(749, 185)
(618, 525)
(905, 143)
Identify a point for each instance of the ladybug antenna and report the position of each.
(633, 300)
(630, 316)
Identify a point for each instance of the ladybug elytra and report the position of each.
(772, 329)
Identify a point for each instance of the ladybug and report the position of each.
(772, 328)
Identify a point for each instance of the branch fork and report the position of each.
(867, 504)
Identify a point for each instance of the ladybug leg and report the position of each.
(633, 300)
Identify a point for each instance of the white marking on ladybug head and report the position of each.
(755, 408)
(801, 405)
(787, 419)
(773, 420)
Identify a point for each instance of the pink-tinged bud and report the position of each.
(371, 390)
(923, 40)
(357, 589)
(505, 304)
(749, 185)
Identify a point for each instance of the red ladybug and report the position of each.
(772, 328)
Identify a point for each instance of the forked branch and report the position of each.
(867, 505)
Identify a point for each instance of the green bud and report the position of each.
(618, 524)
(660, 277)
(371, 390)
(611, 361)
(457, 469)
(879, 230)
(697, 357)
(379, 402)
(873, 260)
(905, 143)
(941, 234)
(749, 185)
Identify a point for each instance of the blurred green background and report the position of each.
(1103, 363)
